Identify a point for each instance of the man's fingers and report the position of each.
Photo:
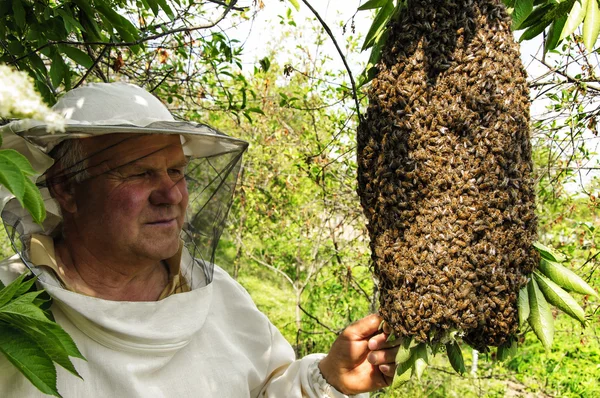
(388, 369)
(381, 357)
(363, 328)
(379, 342)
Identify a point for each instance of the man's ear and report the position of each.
(64, 193)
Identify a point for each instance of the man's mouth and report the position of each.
(164, 222)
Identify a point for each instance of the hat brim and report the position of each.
(199, 140)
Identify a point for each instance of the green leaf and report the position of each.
(295, 4)
(76, 55)
(69, 21)
(540, 318)
(421, 360)
(11, 175)
(565, 278)
(402, 374)
(379, 24)
(33, 202)
(48, 340)
(523, 306)
(153, 4)
(58, 69)
(575, 18)
(522, 10)
(26, 285)
(7, 293)
(29, 359)
(539, 15)
(166, 9)
(591, 25)
(19, 160)
(455, 356)
(371, 4)
(534, 30)
(549, 253)
(554, 33)
(19, 13)
(506, 351)
(404, 351)
(559, 298)
(391, 337)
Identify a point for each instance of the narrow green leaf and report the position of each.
(11, 176)
(421, 360)
(58, 69)
(23, 306)
(371, 4)
(522, 10)
(402, 374)
(19, 160)
(534, 30)
(455, 356)
(153, 4)
(523, 305)
(559, 298)
(379, 23)
(591, 25)
(26, 286)
(539, 15)
(47, 341)
(33, 202)
(8, 292)
(540, 318)
(391, 337)
(166, 8)
(295, 4)
(506, 351)
(549, 253)
(29, 359)
(69, 20)
(404, 351)
(565, 278)
(554, 33)
(18, 13)
(574, 19)
(76, 55)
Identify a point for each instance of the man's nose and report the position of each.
(167, 190)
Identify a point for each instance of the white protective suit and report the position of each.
(210, 342)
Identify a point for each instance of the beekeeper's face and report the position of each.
(133, 206)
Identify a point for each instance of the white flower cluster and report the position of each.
(18, 99)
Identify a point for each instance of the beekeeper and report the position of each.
(136, 202)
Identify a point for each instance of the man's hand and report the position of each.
(360, 360)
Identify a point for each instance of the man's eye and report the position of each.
(176, 172)
(140, 175)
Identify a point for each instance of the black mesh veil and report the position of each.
(210, 177)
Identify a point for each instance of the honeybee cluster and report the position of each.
(445, 173)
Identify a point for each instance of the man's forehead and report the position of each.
(128, 146)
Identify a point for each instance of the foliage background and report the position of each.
(296, 238)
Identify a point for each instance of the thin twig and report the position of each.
(339, 50)
(87, 72)
(135, 42)
(314, 318)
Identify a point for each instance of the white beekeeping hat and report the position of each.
(109, 108)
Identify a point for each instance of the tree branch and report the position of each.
(87, 73)
(314, 318)
(339, 50)
(135, 42)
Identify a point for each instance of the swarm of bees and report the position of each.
(445, 173)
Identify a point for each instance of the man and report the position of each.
(149, 310)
